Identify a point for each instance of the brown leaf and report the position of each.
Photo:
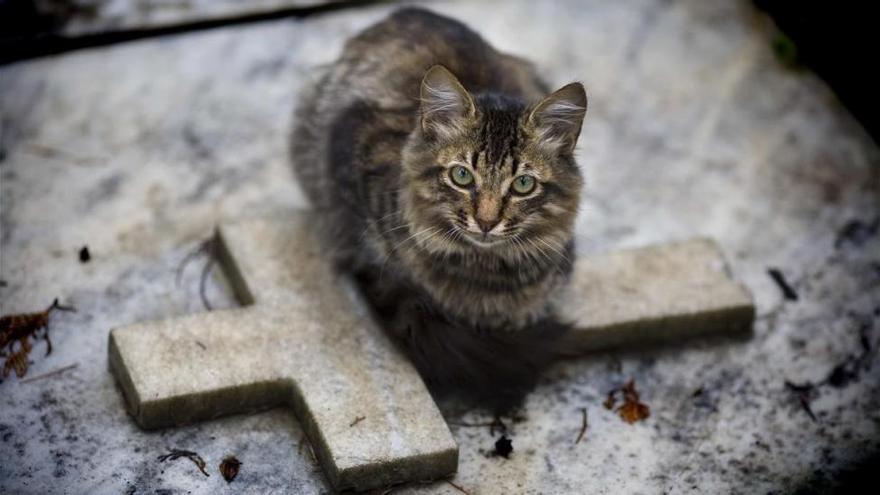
(632, 409)
(17, 361)
(229, 468)
(21, 328)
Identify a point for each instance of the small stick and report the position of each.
(204, 281)
(803, 394)
(357, 420)
(787, 291)
(206, 247)
(175, 454)
(51, 373)
(583, 426)
(462, 490)
(202, 248)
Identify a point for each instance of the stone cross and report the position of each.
(306, 339)
(656, 294)
(302, 339)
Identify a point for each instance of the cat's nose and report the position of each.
(487, 224)
(488, 212)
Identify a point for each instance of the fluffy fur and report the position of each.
(458, 265)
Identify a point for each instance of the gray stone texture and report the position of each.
(657, 294)
(694, 129)
(305, 341)
(85, 17)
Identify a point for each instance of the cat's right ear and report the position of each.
(445, 105)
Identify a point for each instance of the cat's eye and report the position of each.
(461, 176)
(523, 184)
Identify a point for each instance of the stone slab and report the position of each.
(305, 341)
(656, 294)
(85, 17)
(694, 129)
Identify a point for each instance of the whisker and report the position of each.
(554, 249)
(544, 253)
(401, 243)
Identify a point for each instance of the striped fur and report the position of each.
(453, 270)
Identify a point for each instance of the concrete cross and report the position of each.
(305, 339)
(656, 294)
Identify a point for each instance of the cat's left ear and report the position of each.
(557, 118)
(446, 106)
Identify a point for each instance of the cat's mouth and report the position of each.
(483, 240)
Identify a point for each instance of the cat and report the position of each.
(443, 174)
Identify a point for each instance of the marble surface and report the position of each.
(137, 150)
(84, 17)
(303, 341)
(662, 293)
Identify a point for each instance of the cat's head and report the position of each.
(489, 172)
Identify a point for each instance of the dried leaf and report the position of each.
(17, 361)
(229, 468)
(632, 409)
(21, 328)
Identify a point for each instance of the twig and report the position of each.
(51, 373)
(206, 247)
(357, 420)
(203, 282)
(803, 394)
(583, 426)
(462, 490)
(787, 291)
(200, 249)
(192, 456)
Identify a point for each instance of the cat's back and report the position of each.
(386, 62)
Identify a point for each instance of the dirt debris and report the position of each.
(20, 329)
(229, 468)
(632, 409)
(192, 456)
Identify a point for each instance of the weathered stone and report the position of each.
(304, 340)
(660, 293)
(84, 17)
(694, 129)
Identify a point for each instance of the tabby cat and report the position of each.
(443, 172)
